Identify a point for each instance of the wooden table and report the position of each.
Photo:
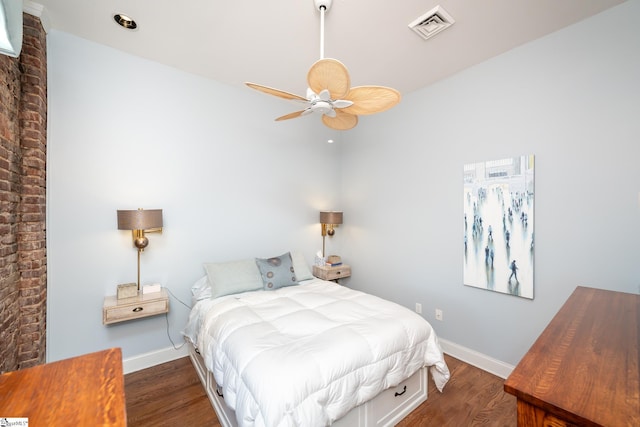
(82, 391)
(583, 369)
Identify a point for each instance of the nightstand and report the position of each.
(117, 310)
(332, 273)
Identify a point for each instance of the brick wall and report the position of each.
(23, 259)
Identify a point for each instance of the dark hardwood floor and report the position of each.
(472, 397)
(171, 395)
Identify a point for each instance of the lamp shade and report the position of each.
(139, 219)
(330, 217)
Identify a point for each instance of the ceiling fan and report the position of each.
(330, 92)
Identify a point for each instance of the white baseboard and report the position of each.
(479, 360)
(147, 360)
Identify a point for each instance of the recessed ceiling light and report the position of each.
(125, 21)
(330, 141)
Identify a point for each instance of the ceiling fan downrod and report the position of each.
(323, 6)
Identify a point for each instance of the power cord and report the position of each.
(166, 317)
(178, 299)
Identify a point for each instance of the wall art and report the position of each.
(498, 225)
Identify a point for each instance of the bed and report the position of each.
(304, 351)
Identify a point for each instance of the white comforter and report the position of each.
(305, 355)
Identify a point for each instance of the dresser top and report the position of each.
(584, 365)
(82, 391)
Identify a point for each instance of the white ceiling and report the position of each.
(275, 42)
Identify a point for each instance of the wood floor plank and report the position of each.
(472, 397)
(171, 394)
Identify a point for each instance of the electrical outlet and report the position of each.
(439, 314)
(418, 308)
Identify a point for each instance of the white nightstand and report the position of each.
(332, 273)
(117, 310)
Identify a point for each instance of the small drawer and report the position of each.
(136, 311)
(395, 400)
(331, 273)
(340, 272)
(198, 363)
(120, 310)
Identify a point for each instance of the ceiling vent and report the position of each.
(432, 22)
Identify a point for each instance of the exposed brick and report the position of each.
(8, 250)
(23, 130)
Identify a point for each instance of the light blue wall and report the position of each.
(127, 133)
(572, 99)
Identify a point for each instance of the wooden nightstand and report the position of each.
(120, 310)
(332, 273)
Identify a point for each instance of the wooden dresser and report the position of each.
(82, 391)
(583, 369)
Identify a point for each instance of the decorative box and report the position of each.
(334, 259)
(127, 290)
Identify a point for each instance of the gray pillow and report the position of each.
(277, 272)
(233, 277)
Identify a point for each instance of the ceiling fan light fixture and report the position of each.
(323, 107)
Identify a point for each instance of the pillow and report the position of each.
(277, 272)
(233, 277)
(201, 289)
(300, 267)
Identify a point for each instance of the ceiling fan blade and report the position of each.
(342, 120)
(371, 99)
(329, 74)
(276, 92)
(291, 115)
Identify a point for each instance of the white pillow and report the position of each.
(201, 289)
(300, 267)
(233, 277)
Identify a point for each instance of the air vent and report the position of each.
(432, 22)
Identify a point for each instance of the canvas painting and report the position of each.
(498, 225)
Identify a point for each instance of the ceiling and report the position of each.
(274, 43)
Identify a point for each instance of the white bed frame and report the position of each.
(386, 409)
